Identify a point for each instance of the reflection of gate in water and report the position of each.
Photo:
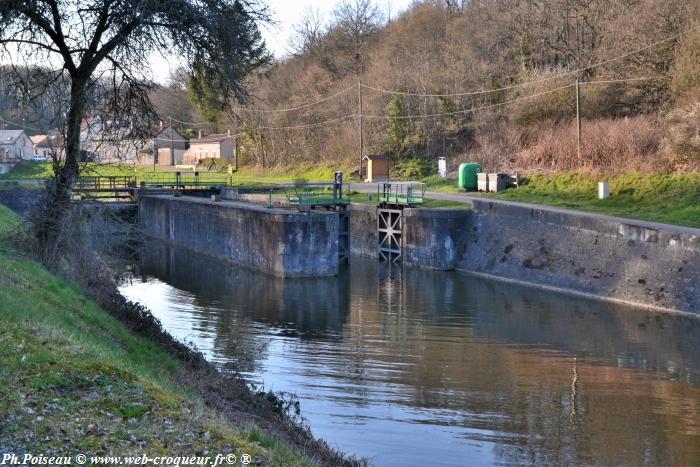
(389, 228)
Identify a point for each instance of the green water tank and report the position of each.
(467, 175)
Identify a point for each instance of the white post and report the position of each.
(603, 190)
(442, 167)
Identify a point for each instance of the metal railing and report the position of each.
(401, 193)
(185, 179)
(315, 194)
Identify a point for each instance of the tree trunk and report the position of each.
(52, 218)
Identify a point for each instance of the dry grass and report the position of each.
(642, 144)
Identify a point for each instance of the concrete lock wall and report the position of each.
(641, 263)
(281, 242)
(434, 238)
(20, 200)
(363, 230)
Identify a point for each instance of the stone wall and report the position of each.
(363, 230)
(434, 238)
(635, 262)
(20, 200)
(281, 242)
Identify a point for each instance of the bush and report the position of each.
(611, 145)
(685, 73)
(682, 142)
(215, 164)
(412, 169)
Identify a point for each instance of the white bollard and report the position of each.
(603, 190)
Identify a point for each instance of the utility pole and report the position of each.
(578, 117)
(172, 150)
(359, 116)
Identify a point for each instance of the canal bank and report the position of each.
(634, 262)
(638, 263)
(80, 378)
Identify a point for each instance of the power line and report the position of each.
(465, 111)
(622, 80)
(530, 83)
(190, 123)
(303, 127)
(304, 106)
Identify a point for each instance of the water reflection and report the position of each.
(408, 366)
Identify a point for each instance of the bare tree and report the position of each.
(102, 48)
(308, 34)
(357, 22)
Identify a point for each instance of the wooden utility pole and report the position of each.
(578, 117)
(359, 116)
(172, 150)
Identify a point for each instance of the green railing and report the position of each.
(185, 179)
(401, 193)
(104, 183)
(314, 194)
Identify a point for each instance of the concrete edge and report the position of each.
(578, 293)
(484, 202)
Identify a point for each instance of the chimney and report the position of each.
(161, 125)
(200, 134)
(228, 132)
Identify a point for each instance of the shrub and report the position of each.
(215, 164)
(412, 169)
(682, 142)
(611, 145)
(685, 73)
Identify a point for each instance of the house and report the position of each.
(376, 168)
(15, 144)
(216, 146)
(113, 141)
(48, 145)
(161, 144)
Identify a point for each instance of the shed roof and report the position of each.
(376, 157)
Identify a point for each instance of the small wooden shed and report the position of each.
(376, 168)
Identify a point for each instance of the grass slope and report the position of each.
(75, 380)
(671, 199)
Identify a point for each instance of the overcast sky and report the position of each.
(285, 13)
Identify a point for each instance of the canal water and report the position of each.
(415, 367)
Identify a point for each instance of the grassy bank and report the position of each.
(42, 170)
(671, 199)
(75, 380)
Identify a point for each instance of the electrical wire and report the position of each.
(473, 109)
(304, 106)
(312, 125)
(623, 80)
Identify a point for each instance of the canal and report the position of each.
(414, 367)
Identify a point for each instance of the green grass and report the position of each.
(437, 184)
(41, 170)
(245, 176)
(371, 198)
(76, 380)
(672, 199)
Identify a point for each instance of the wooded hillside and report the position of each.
(487, 80)
(515, 62)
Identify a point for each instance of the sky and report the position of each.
(285, 14)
